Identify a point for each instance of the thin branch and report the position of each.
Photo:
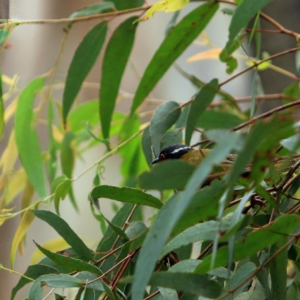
(256, 64)
(152, 295)
(266, 114)
(80, 19)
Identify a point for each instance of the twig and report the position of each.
(80, 19)
(152, 295)
(256, 64)
(266, 114)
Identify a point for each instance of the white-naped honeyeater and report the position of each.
(190, 155)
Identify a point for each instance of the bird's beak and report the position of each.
(155, 161)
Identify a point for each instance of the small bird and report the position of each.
(190, 155)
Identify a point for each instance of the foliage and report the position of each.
(247, 226)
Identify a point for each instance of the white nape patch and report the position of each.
(179, 149)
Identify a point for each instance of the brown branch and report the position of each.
(256, 64)
(73, 20)
(266, 114)
(152, 295)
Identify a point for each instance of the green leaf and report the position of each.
(172, 137)
(65, 231)
(204, 204)
(52, 146)
(27, 138)
(121, 4)
(132, 154)
(55, 281)
(237, 281)
(243, 14)
(146, 144)
(127, 195)
(4, 33)
(2, 124)
(163, 177)
(114, 62)
(212, 119)
(291, 91)
(181, 36)
(109, 238)
(97, 285)
(67, 163)
(199, 105)
(200, 232)
(171, 212)
(85, 112)
(185, 282)
(93, 9)
(82, 62)
(254, 242)
(163, 118)
(70, 263)
(33, 272)
(61, 192)
(278, 270)
(135, 229)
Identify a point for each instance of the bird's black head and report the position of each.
(172, 152)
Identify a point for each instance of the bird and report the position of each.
(190, 155)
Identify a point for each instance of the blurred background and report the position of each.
(32, 51)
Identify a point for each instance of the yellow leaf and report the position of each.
(209, 54)
(22, 229)
(15, 184)
(27, 195)
(166, 5)
(54, 245)
(10, 110)
(7, 79)
(9, 156)
(5, 214)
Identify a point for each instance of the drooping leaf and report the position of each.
(82, 62)
(114, 62)
(181, 36)
(163, 118)
(170, 214)
(26, 136)
(198, 106)
(125, 194)
(65, 231)
(25, 222)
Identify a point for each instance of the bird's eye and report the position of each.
(162, 156)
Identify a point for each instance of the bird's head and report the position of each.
(172, 152)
